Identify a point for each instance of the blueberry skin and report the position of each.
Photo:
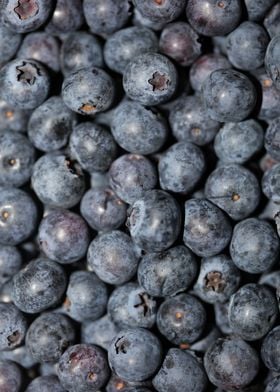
(270, 349)
(50, 125)
(88, 91)
(230, 363)
(93, 146)
(181, 167)
(131, 175)
(63, 236)
(270, 21)
(204, 66)
(234, 189)
(138, 129)
(246, 46)
(86, 296)
(106, 16)
(20, 355)
(271, 184)
(181, 319)
(83, 368)
(18, 216)
(272, 59)
(143, 21)
(160, 11)
(190, 121)
(80, 49)
(273, 385)
(207, 230)
(269, 108)
(10, 262)
(238, 142)
(17, 156)
(112, 257)
(67, 17)
(180, 371)
(45, 384)
(180, 42)
(11, 376)
(131, 306)
(167, 273)
(150, 79)
(135, 354)
(99, 332)
(252, 311)
(124, 45)
(12, 118)
(272, 139)
(24, 83)
(210, 18)
(257, 9)
(254, 246)
(13, 326)
(218, 279)
(58, 181)
(103, 209)
(116, 384)
(154, 221)
(22, 18)
(9, 43)
(229, 95)
(40, 285)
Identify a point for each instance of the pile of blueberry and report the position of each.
(139, 195)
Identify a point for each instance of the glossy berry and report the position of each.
(272, 139)
(10, 262)
(45, 384)
(270, 183)
(272, 60)
(159, 10)
(13, 326)
(67, 17)
(270, 349)
(9, 44)
(10, 376)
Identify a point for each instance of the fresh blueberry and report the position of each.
(257, 9)
(229, 95)
(112, 257)
(143, 21)
(40, 285)
(9, 43)
(271, 20)
(150, 79)
(135, 354)
(6, 292)
(272, 59)
(12, 118)
(45, 384)
(67, 17)
(163, 11)
(10, 262)
(271, 183)
(154, 221)
(13, 326)
(117, 384)
(269, 107)
(58, 181)
(252, 311)
(207, 230)
(254, 246)
(273, 385)
(272, 139)
(18, 216)
(270, 350)
(11, 376)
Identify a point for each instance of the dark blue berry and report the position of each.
(12, 118)
(13, 326)
(11, 376)
(271, 20)
(45, 384)
(9, 43)
(163, 11)
(10, 262)
(272, 139)
(67, 16)
(272, 59)
(270, 350)
(273, 385)
(271, 183)
(257, 9)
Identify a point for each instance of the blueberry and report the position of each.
(106, 16)
(138, 129)
(272, 59)
(257, 9)
(67, 17)
(272, 139)
(211, 17)
(246, 46)
(135, 354)
(180, 42)
(6, 292)
(40, 285)
(167, 273)
(273, 385)
(190, 122)
(131, 306)
(270, 349)
(20, 355)
(229, 95)
(45, 384)
(231, 363)
(125, 44)
(11, 376)
(83, 368)
(16, 159)
(24, 83)
(180, 371)
(93, 146)
(181, 319)
(159, 10)
(144, 21)
(116, 384)
(234, 189)
(271, 184)
(181, 167)
(86, 296)
(112, 257)
(10, 262)
(218, 279)
(88, 90)
(271, 20)
(103, 209)
(221, 317)
(154, 221)
(238, 142)
(204, 66)
(12, 118)
(270, 279)
(57, 180)
(63, 236)
(13, 326)
(23, 16)
(207, 230)
(50, 125)
(9, 43)
(80, 49)
(252, 311)
(18, 216)
(150, 79)
(254, 246)
(131, 175)
(269, 107)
